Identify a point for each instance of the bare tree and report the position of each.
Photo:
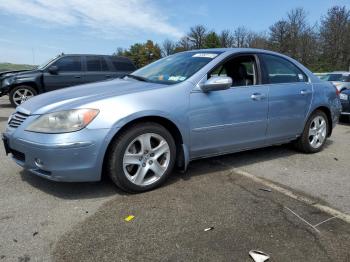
(183, 44)
(257, 40)
(226, 38)
(168, 47)
(197, 36)
(240, 35)
(335, 38)
(279, 35)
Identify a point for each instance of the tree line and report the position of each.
(323, 46)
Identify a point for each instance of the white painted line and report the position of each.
(302, 219)
(329, 210)
(324, 221)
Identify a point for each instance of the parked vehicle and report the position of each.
(186, 106)
(322, 76)
(62, 71)
(345, 101)
(340, 79)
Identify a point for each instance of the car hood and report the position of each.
(73, 97)
(16, 73)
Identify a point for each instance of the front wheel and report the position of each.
(142, 157)
(20, 94)
(315, 133)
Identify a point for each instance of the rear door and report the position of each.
(96, 69)
(69, 73)
(290, 95)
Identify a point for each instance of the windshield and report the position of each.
(175, 68)
(43, 65)
(336, 77)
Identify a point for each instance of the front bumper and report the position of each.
(77, 159)
(345, 107)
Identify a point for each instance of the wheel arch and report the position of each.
(182, 154)
(30, 83)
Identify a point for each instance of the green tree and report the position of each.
(141, 54)
(212, 40)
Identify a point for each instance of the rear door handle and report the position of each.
(77, 76)
(108, 76)
(257, 96)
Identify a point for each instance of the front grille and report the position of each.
(17, 119)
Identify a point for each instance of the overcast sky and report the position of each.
(32, 31)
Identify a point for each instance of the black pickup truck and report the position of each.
(62, 71)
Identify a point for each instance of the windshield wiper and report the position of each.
(140, 78)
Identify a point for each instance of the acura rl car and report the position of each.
(186, 106)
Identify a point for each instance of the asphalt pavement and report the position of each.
(44, 221)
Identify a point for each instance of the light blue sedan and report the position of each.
(186, 106)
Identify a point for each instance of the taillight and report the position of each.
(336, 90)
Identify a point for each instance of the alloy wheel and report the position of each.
(21, 95)
(146, 159)
(317, 131)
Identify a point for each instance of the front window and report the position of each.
(69, 64)
(176, 68)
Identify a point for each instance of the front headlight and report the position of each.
(7, 81)
(64, 121)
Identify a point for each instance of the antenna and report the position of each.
(33, 55)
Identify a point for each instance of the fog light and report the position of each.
(38, 162)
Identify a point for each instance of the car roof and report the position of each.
(112, 56)
(235, 50)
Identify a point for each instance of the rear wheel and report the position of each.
(315, 133)
(142, 157)
(20, 94)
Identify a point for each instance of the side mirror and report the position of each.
(217, 83)
(53, 70)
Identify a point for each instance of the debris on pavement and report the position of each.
(15, 240)
(35, 233)
(336, 159)
(265, 189)
(258, 256)
(129, 218)
(208, 229)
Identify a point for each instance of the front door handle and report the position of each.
(77, 76)
(304, 92)
(108, 76)
(257, 96)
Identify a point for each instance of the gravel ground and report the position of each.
(42, 220)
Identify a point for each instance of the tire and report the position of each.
(20, 94)
(131, 165)
(313, 141)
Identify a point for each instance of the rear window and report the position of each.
(280, 70)
(96, 63)
(123, 65)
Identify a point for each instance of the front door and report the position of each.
(69, 73)
(233, 119)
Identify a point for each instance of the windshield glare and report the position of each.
(176, 68)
